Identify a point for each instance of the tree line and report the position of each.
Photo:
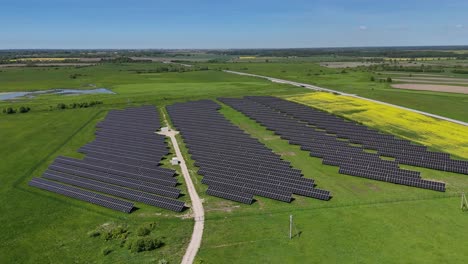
(10, 110)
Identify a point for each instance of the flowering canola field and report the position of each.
(435, 133)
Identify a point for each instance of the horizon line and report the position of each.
(277, 48)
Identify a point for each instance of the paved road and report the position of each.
(317, 88)
(197, 206)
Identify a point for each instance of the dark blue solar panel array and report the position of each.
(328, 137)
(123, 161)
(234, 165)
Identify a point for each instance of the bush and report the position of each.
(118, 232)
(372, 78)
(106, 251)
(459, 71)
(163, 261)
(9, 110)
(61, 106)
(143, 231)
(24, 109)
(145, 244)
(389, 79)
(74, 75)
(94, 233)
(78, 105)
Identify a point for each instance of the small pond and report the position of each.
(14, 95)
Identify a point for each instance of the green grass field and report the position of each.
(402, 224)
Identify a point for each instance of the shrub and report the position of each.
(94, 233)
(117, 232)
(372, 78)
(61, 106)
(106, 251)
(143, 231)
(389, 79)
(9, 110)
(163, 261)
(24, 109)
(145, 244)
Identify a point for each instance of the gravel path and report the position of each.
(197, 206)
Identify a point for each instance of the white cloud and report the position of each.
(459, 26)
(362, 27)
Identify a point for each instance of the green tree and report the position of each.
(10, 110)
(61, 106)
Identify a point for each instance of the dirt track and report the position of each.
(432, 87)
(428, 81)
(197, 206)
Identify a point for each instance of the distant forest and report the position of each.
(390, 52)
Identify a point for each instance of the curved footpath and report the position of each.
(317, 88)
(197, 206)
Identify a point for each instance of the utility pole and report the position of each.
(290, 226)
(464, 202)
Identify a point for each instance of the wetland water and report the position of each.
(15, 95)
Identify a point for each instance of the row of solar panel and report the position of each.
(420, 183)
(334, 152)
(83, 195)
(393, 146)
(230, 157)
(122, 162)
(261, 181)
(218, 191)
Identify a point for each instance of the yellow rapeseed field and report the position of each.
(247, 57)
(438, 134)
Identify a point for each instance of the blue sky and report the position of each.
(231, 24)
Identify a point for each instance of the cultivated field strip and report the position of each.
(123, 161)
(234, 165)
(339, 142)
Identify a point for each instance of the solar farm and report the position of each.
(123, 161)
(330, 138)
(234, 165)
(252, 171)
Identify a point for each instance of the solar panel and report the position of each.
(328, 137)
(220, 192)
(117, 191)
(229, 157)
(82, 195)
